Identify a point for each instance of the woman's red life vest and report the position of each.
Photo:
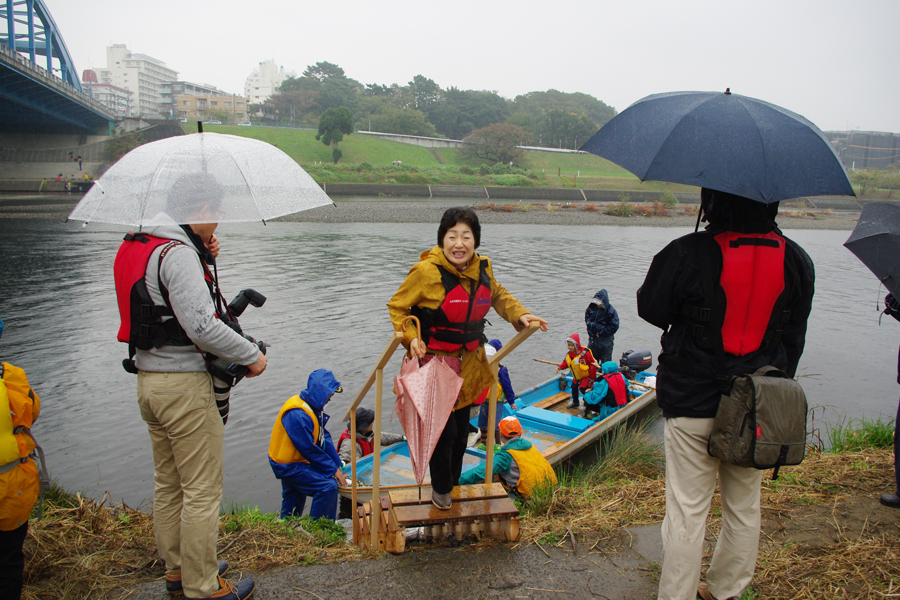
(753, 279)
(366, 445)
(616, 384)
(459, 321)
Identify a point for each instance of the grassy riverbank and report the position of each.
(824, 532)
(369, 159)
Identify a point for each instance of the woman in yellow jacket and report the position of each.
(450, 290)
(19, 481)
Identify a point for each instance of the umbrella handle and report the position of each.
(411, 318)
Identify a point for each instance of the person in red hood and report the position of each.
(581, 363)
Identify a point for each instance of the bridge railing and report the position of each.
(10, 56)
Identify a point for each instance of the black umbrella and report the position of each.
(725, 142)
(876, 241)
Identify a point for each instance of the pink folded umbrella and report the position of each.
(425, 398)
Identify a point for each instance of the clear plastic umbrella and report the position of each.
(244, 179)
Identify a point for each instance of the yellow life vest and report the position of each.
(579, 367)
(19, 482)
(19, 408)
(281, 449)
(533, 469)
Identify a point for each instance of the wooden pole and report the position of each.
(494, 361)
(376, 460)
(492, 420)
(377, 375)
(353, 511)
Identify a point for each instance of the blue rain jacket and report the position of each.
(323, 461)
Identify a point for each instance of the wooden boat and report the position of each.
(557, 431)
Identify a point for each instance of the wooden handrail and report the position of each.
(376, 377)
(494, 361)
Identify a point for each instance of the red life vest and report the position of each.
(366, 445)
(753, 279)
(141, 320)
(616, 384)
(459, 321)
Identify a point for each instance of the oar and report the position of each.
(646, 385)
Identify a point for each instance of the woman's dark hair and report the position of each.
(452, 216)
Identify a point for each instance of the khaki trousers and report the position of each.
(691, 475)
(186, 434)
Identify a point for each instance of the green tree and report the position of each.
(334, 124)
(538, 103)
(496, 142)
(425, 92)
(461, 111)
(403, 121)
(323, 70)
(293, 106)
(864, 179)
(558, 128)
(121, 144)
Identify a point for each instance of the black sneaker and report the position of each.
(892, 500)
(173, 582)
(572, 404)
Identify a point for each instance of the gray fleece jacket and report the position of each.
(182, 275)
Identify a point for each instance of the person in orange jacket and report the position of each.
(20, 483)
(580, 361)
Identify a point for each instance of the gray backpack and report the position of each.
(762, 422)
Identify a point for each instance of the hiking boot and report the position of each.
(703, 592)
(173, 582)
(228, 590)
(892, 500)
(442, 501)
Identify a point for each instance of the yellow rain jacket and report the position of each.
(423, 287)
(20, 485)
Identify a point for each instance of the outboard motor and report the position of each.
(635, 361)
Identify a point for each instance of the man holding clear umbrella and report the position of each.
(175, 391)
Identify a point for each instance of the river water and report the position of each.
(327, 285)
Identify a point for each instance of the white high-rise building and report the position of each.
(264, 81)
(141, 74)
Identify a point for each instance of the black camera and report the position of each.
(226, 374)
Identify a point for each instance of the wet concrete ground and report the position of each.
(502, 571)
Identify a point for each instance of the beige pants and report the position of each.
(690, 481)
(186, 434)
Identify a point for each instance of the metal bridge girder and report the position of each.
(37, 37)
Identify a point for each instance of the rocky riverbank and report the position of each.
(357, 210)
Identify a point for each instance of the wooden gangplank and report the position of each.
(480, 510)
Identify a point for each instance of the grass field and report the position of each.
(436, 165)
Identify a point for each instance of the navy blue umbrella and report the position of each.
(724, 142)
(876, 242)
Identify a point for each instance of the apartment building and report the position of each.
(140, 74)
(118, 100)
(229, 108)
(264, 81)
(170, 92)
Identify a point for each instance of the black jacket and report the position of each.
(675, 279)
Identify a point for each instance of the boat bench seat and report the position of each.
(577, 425)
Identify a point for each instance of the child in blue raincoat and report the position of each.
(301, 452)
(610, 390)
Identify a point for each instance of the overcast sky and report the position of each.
(834, 62)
